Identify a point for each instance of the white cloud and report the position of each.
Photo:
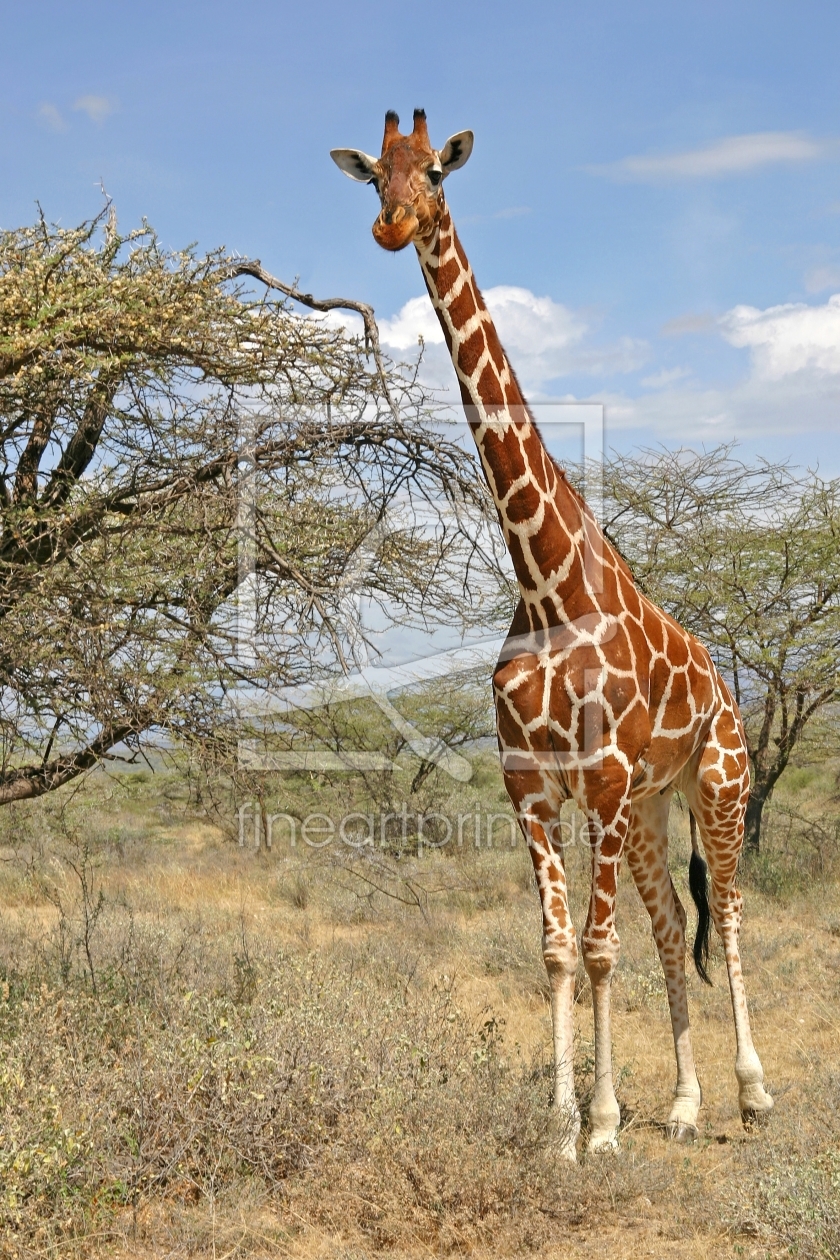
(51, 117)
(790, 386)
(821, 278)
(788, 339)
(665, 377)
(751, 408)
(731, 155)
(539, 334)
(97, 108)
(352, 323)
(415, 320)
(544, 339)
(683, 325)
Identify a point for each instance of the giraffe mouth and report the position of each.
(396, 227)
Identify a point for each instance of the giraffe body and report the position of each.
(600, 696)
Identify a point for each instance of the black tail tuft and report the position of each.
(699, 890)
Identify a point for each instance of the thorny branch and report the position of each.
(372, 344)
(142, 391)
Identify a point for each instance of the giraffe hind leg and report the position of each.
(647, 857)
(718, 804)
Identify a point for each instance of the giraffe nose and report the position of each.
(395, 227)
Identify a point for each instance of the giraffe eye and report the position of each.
(435, 176)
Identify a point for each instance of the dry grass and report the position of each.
(209, 1051)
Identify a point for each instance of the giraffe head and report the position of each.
(408, 177)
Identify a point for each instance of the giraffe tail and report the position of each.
(699, 889)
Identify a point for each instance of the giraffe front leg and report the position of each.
(560, 954)
(561, 963)
(600, 961)
(600, 958)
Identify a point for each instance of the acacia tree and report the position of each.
(748, 558)
(139, 389)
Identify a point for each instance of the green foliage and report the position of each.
(167, 434)
(748, 559)
(450, 716)
(165, 1090)
(797, 1201)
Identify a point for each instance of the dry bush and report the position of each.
(209, 1048)
(789, 1191)
(338, 1084)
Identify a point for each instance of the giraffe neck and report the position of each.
(545, 522)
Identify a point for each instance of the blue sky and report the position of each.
(653, 203)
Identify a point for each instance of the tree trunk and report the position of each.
(759, 794)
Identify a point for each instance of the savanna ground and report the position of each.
(209, 1050)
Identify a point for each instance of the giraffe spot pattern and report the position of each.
(600, 697)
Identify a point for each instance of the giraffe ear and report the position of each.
(456, 151)
(354, 163)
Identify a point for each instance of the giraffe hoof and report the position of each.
(679, 1131)
(602, 1144)
(755, 1118)
(756, 1106)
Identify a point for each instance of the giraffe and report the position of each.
(600, 696)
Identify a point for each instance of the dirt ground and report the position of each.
(441, 1143)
